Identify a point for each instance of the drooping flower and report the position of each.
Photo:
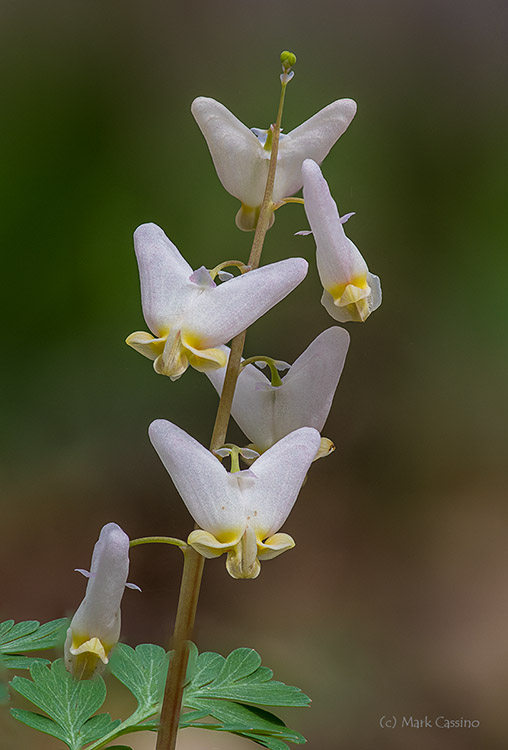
(266, 413)
(239, 512)
(351, 292)
(95, 627)
(241, 156)
(189, 316)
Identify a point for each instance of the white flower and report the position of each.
(351, 292)
(266, 413)
(95, 628)
(241, 156)
(188, 314)
(239, 513)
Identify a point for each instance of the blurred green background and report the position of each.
(394, 601)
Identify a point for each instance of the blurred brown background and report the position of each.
(394, 601)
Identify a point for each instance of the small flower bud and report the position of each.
(288, 59)
(95, 627)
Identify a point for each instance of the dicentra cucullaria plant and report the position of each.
(192, 315)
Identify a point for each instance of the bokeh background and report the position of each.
(394, 601)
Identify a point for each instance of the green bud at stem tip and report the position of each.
(288, 59)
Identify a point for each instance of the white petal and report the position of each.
(253, 405)
(239, 158)
(339, 261)
(202, 482)
(306, 394)
(304, 399)
(311, 140)
(221, 313)
(280, 472)
(164, 276)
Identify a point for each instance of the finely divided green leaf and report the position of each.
(69, 704)
(238, 718)
(241, 678)
(41, 723)
(207, 668)
(22, 662)
(270, 742)
(142, 671)
(31, 635)
(4, 692)
(4, 627)
(96, 727)
(226, 688)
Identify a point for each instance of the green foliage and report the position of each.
(220, 695)
(226, 688)
(30, 635)
(143, 671)
(240, 677)
(4, 693)
(70, 705)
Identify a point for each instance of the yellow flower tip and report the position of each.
(288, 59)
(242, 551)
(90, 658)
(325, 448)
(363, 310)
(247, 218)
(274, 546)
(353, 298)
(173, 367)
(352, 294)
(205, 359)
(209, 546)
(92, 646)
(146, 344)
(239, 569)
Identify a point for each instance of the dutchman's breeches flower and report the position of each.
(95, 628)
(241, 156)
(239, 513)
(351, 292)
(266, 413)
(189, 316)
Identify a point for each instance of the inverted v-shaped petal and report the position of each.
(312, 139)
(164, 277)
(307, 391)
(279, 476)
(202, 482)
(303, 400)
(238, 156)
(221, 313)
(253, 408)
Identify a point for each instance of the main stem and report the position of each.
(193, 562)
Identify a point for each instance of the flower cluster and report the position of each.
(192, 318)
(193, 314)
